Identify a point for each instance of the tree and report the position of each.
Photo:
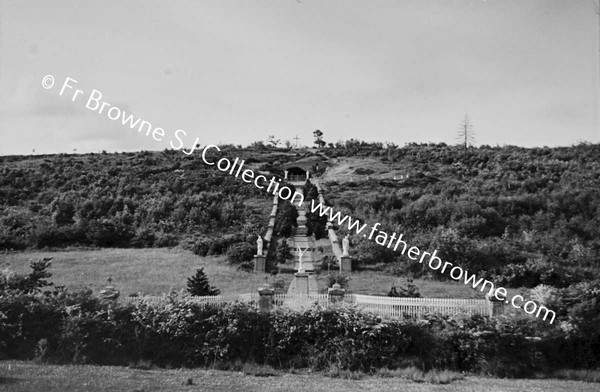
(30, 283)
(283, 252)
(320, 143)
(310, 191)
(271, 141)
(465, 133)
(198, 285)
(286, 219)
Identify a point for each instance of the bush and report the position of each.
(30, 283)
(178, 331)
(283, 252)
(410, 291)
(198, 284)
(342, 280)
(240, 252)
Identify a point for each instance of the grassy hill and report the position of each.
(522, 216)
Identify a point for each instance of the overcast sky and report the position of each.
(527, 72)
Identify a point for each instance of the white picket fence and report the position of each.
(215, 299)
(417, 307)
(382, 306)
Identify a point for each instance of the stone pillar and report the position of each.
(307, 174)
(336, 294)
(301, 283)
(259, 263)
(346, 264)
(496, 306)
(267, 294)
(285, 173)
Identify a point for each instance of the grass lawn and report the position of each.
(158, 270)
(16, 376)
(376, 283)
(150, 271)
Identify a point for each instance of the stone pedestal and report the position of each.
(336, 293)
(259, 263)
(265, 301)
(301, 283)
(346, 264)
(496, 307)
(110, 293)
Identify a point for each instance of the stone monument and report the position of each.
(345, 260)
(345, 246)
(259, 246)
(110, 292)
(301, 277)
(259, 259)
(300, 263)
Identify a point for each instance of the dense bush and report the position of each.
(76, 327)
(286, 219)
(240, 252)
(139, 199)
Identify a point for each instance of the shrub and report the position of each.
(240, 252)
(178, 331)
(283, 252)
(342, 280)
(198, 284)
(410, 291)
(30, 283)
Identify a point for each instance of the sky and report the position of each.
(525, 71)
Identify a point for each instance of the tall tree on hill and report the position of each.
(466, 135)
(283, 252)
(319, 142)
(198, 285)
(286, 218)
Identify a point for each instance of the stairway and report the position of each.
(300, 239)
(304, 282)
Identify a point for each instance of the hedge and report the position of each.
(79, 328)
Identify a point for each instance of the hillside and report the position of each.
(523, 216)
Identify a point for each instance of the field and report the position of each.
(149, 271)
(156, 271)
(18, 376)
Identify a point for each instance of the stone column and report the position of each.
(345, 264)
(496, 306)
(259, 263)
(336, 294)
(267, 295)
(301, 283)
(285, 174)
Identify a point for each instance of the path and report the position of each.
(335, 244)
(303, 284)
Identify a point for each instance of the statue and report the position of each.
(259, 246)
(300, 254)
(345, 246)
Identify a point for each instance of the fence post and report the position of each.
(265, 301)
(336, 294)
(496, 306)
